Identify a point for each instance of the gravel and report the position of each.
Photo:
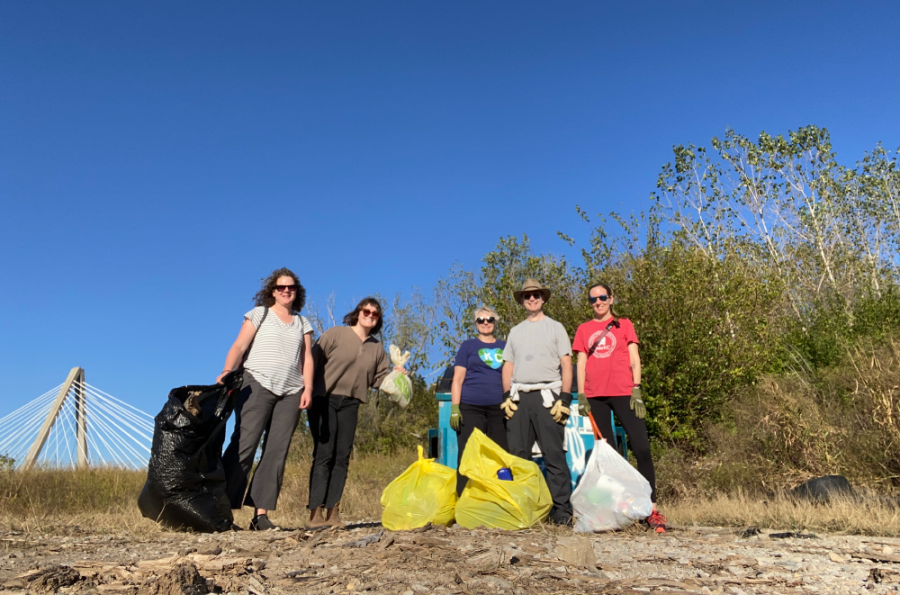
(369, 559)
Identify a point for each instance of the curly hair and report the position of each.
(352, 318)
(265, 298)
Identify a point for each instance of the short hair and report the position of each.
(352, 318)
(488, 310)
(265, 298)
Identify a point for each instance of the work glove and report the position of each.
(637, 403)
(509, 408)
(455, 417)
(560, 410)
(584, 407)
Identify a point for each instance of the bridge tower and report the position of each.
(76, 380)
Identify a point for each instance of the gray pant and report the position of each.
(259, 410)
(533, 423)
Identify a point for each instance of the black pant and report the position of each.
(635, 429)
(259, 411)
(488, 419)
(332, 423)
(533, 423)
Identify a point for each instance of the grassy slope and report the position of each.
(47, 501)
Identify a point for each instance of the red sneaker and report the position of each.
(657, 522)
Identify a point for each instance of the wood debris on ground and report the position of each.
(369, 559)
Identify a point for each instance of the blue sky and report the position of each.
(158, 159)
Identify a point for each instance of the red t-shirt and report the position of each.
(608, 369)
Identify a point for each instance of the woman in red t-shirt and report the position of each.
(609, 379)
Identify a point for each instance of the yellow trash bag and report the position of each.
(425, 492)
(491, 502)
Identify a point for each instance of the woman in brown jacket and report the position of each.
(348, 361)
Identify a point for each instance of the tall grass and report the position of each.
(105, 499)
(842, 420)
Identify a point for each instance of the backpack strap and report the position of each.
(250, 346)
(263, 319)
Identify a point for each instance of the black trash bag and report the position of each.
(185, 486)
(823, 489)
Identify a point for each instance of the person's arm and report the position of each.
(238, 349)
(323, 347)
(459, 375)
(565, 363)
(635, 358)
(507, 375)
(309, 371)
(582, 366)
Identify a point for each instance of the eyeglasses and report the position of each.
(373, 314)
(532, 294)
(283, 288)
(602, 298)
(489, 320)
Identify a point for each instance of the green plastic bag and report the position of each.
(397, 385)
(491, 502)
(424, 493)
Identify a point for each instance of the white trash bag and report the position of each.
(611, 494)
(397, 385)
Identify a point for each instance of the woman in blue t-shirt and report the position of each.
(477, 388)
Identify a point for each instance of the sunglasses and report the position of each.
(373, 314)
(532, 294)
(602, 298)
(284, 288)
(489, 320)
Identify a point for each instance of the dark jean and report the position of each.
(259, 410)
(533, 423)
(487, 418)
(635, 429)
(332, 423)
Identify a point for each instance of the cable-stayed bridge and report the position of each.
(78, 425)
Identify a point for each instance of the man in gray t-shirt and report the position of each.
(537, 378)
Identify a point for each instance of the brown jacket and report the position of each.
(347, 366)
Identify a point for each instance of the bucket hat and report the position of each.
(531, 285)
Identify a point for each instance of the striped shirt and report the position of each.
(276, 355)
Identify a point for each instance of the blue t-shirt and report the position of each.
(483, 384)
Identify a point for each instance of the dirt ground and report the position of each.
(365, 558)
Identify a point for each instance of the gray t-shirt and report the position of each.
(535, 348)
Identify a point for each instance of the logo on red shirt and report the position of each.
(602, 343)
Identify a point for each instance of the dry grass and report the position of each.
(369, 475)
(104, 500)
(66, 501)
(872, 516)
(788, 429)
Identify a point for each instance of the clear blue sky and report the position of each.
(157, 159)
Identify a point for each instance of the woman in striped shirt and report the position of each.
(278, 374)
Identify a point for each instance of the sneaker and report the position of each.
(262, 523)
(657, 522)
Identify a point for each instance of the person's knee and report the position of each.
(556, 464)
(342, 457)
(642, 453)
(522, 453)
